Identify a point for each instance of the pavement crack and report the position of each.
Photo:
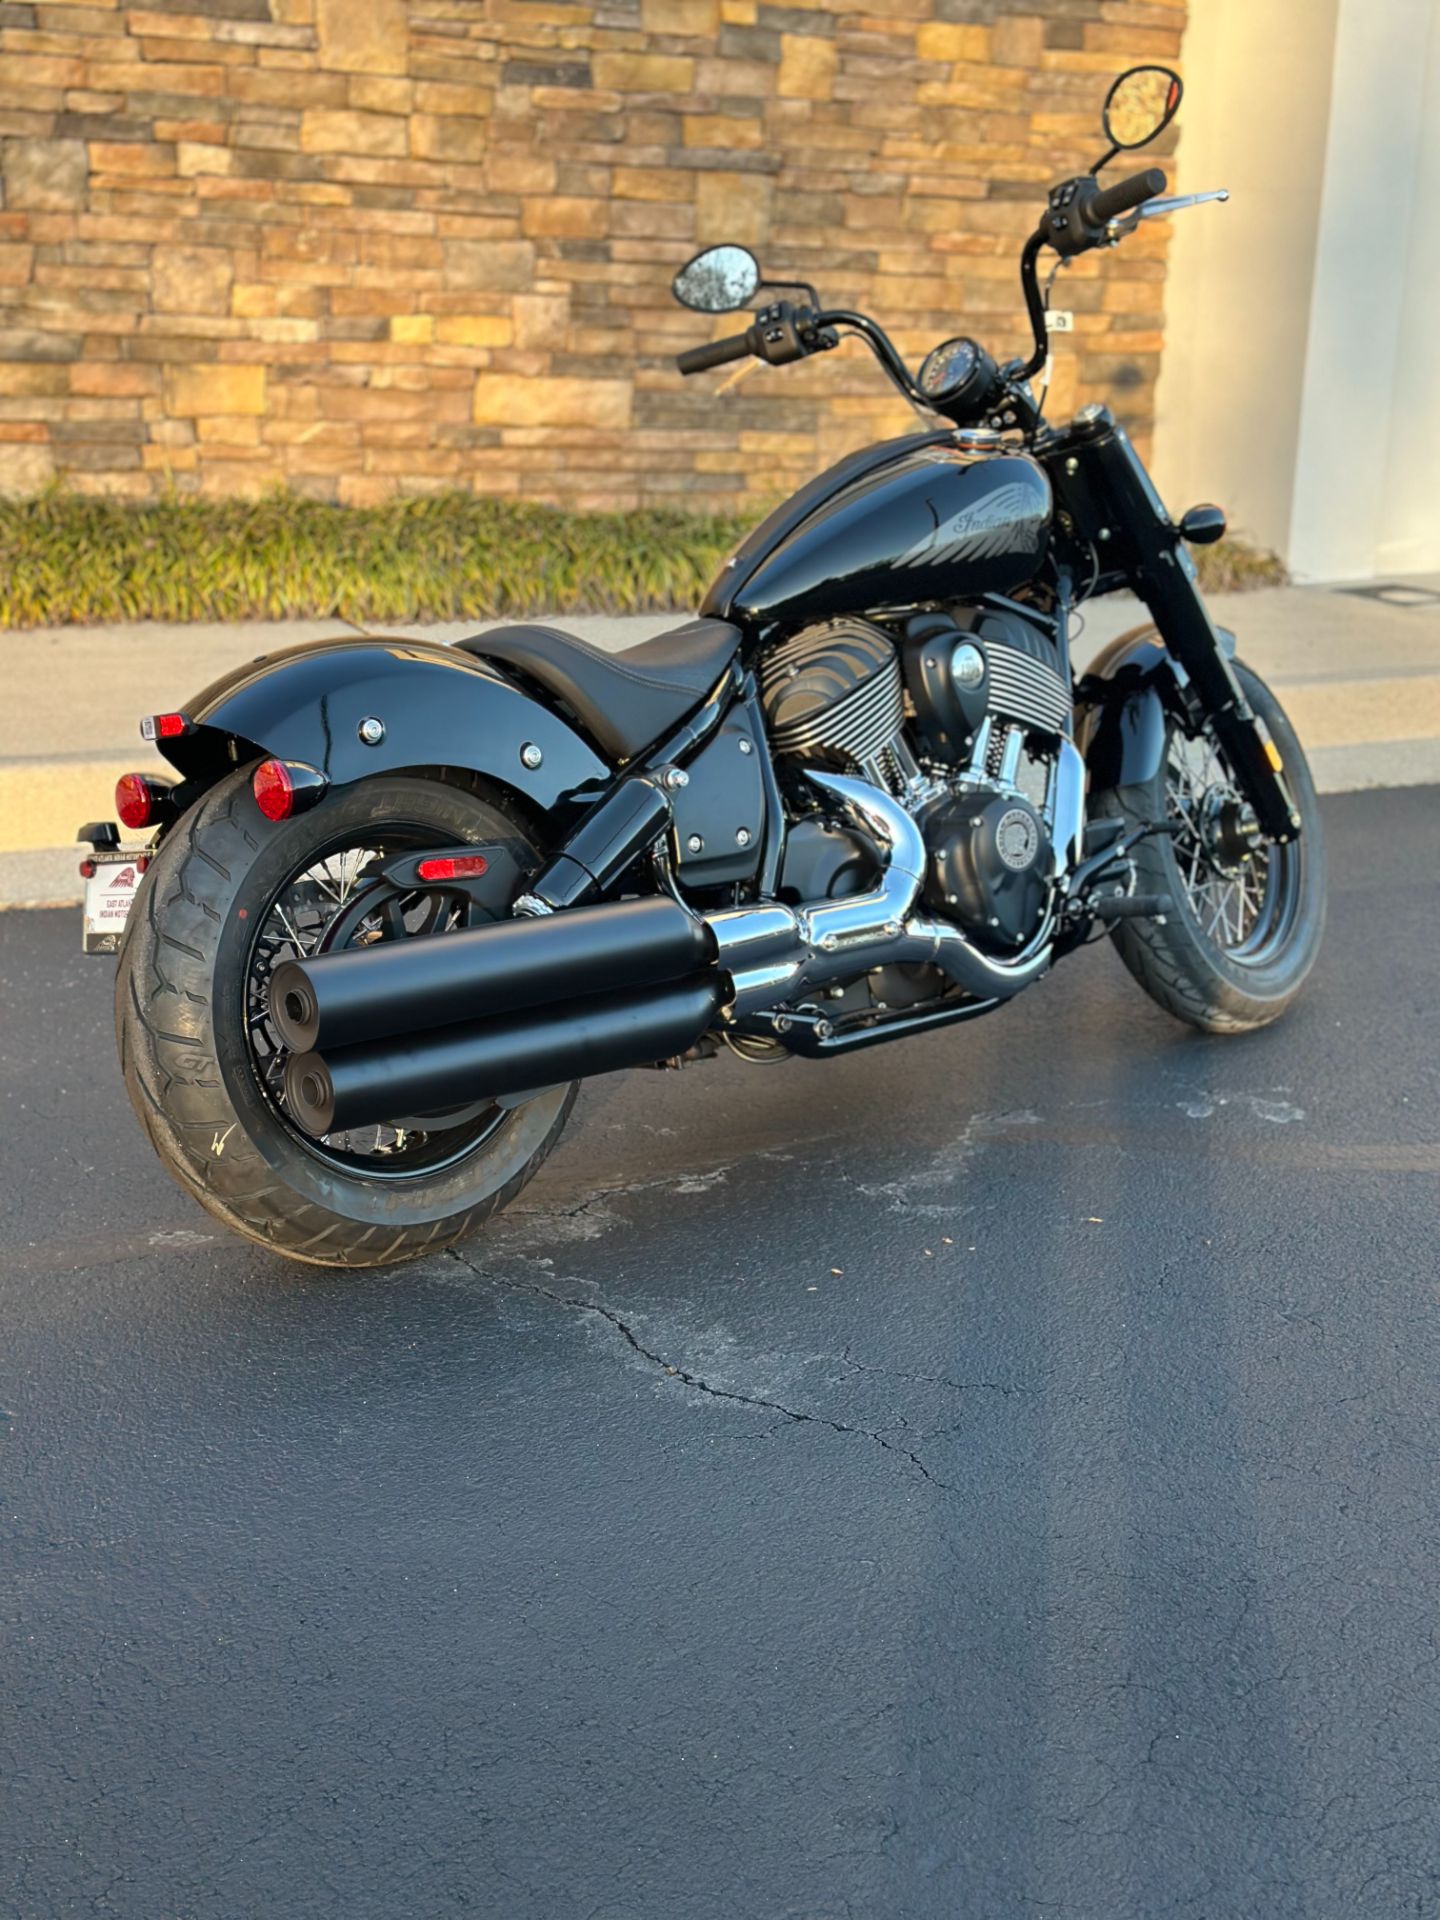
(933, 1379)
(598, 1197)
(694, 1380)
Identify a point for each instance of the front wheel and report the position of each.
(1248, 914)
(228, 897)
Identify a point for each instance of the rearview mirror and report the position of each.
(718, 280)
(1140, 104)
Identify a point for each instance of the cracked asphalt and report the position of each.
(993, 1476)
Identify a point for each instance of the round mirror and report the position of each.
(1140, 104)
(718, 280)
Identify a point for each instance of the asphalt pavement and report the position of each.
(991, 1476)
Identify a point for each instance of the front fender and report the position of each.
(1123, 703)
(438, 706)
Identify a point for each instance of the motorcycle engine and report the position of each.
(958, 719)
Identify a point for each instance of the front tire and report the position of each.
(189, 1013)
(1245, 931)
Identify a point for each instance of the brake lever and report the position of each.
(1161, 208)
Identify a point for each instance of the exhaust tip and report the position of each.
(310, 1094)
(293, 1012)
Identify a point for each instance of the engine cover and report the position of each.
(995, 664)
(989, 866)
(833, 694)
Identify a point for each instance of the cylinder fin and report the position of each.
(1026, 688)
(833, 695)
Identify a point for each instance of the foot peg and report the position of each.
(1133, 906)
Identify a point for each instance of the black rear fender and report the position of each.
(436, 707)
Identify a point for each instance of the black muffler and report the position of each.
(405, 986)
(450, 1066)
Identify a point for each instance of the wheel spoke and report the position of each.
(1237, 902)
(340, 900)
(289, 927)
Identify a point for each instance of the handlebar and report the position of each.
(1099, 209)
(1080, 215)
(715, 353)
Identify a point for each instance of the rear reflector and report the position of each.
(274, 789)
(466, 866)
(138, 800)
(87, 869)
(164, 726)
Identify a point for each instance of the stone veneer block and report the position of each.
(362, 36)
(44, 176)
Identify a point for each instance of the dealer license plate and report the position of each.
(109, 893)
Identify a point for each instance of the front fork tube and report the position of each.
(1165, 579)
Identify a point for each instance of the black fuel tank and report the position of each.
(922, 522)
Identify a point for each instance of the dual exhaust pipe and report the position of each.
(416, 1027)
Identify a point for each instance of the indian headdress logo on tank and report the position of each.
(999, 523)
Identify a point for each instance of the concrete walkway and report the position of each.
(1360, 677)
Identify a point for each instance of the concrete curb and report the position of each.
(40, 800)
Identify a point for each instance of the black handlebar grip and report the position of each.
(1124, 196)
(698, 359)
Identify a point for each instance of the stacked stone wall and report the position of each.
(366, 246)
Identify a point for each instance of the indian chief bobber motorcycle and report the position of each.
(405, 896)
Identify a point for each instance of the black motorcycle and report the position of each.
(861, 797)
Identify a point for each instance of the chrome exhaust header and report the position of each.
(775, 954)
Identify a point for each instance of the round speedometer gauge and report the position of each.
(958, 376)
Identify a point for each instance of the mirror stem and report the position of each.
(804, 286)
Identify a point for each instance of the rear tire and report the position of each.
(187, 1055)
(1246, 976)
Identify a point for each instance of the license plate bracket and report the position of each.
(109, 894)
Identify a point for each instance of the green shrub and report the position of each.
(69, 558)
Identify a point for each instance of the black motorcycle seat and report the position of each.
(625, 701)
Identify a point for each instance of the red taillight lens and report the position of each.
(135, 800)
(164, 726)
(465, 866)
(274, 789)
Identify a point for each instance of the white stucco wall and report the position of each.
(1301, 385)
(1254, 119)
(1370, 406)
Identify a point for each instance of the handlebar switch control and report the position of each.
(778, 333)
(1063, 223)
(1080, 211)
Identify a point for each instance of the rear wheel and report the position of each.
(226, 899)
(1249, 915)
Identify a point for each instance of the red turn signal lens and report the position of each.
(88, 869)
(274, 789)
(286, 787)
(465, 866)
(164, 726)
(139, 799)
